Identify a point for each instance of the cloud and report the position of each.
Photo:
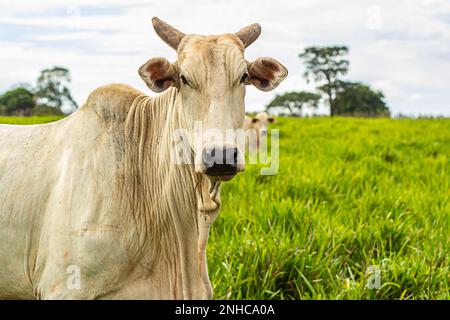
(401, 47)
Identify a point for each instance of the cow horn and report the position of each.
(249, 34)
(167, 33)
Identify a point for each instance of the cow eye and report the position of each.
(244, 78)
(183, 79)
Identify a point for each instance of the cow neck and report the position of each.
(171, 206)
(207, 207)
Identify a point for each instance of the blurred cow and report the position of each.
(260, 123)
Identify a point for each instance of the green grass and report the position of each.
(29, 120)
(350, 193)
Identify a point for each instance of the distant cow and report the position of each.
(260, 123)
(92, 206)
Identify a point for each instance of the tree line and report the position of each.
(49, 96)
(325, 66)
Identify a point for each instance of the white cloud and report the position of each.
(416, 96)
(400, 47)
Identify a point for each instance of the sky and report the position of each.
(399, 47)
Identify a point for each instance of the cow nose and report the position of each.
(220, 161)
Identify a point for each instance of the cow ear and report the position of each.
(271, 120)
(158, 74)
(255, 120)
(266, 73)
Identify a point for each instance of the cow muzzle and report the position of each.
(223, 162)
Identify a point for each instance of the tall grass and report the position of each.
(350, 194)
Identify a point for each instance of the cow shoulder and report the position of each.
(112, 101)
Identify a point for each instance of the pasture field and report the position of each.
(355, 201)
(28, 120)
(350, 194)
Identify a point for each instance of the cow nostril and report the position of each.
(221, 161)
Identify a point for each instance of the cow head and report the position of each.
(210, 75)
(261, 123)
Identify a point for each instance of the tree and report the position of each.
(360, 99)
(325, 65)
(24, 85)
(18, 101)
(295, 101)
(52, 88)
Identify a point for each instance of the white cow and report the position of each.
(93, 207)
(260, 125)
